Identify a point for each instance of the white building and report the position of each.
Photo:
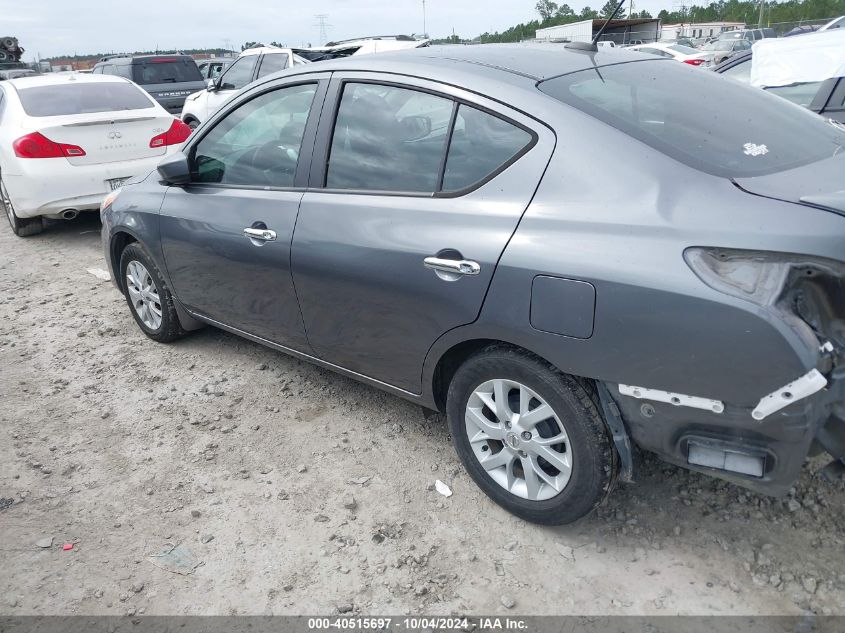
(640, 30)
(700, 29)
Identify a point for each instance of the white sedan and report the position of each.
(678, 52)
(68, 140)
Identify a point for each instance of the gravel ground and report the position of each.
(215, 476)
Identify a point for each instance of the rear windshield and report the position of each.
(720, 127)
(683, 50)
(80, 98)
(165, 71)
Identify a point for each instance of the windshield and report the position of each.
(164, 70)
(719, 127)
(81, 98)
(721, 45)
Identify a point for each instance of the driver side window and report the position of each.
(258, 143)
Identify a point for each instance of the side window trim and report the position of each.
(325, 132)
(300, 181)
(442, 171)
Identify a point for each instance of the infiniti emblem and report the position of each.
(114, 135)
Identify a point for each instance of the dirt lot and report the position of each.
(289, 489)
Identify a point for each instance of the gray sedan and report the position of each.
(568, 253)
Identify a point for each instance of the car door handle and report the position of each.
(456, 266)
(264, 235)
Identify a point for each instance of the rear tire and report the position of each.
(22, 227)
(150, 300)
(553, 483)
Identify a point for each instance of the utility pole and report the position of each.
(324, 25)
(760, 20)
(424, 31)
(682, 9)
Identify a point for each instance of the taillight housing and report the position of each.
(694, 62)
(36, 145)
(176, 135)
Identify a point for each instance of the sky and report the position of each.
(63, 27)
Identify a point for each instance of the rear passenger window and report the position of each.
(395, 139)
(388, 139)
(272, 63)
(124, 71)
(481, 145)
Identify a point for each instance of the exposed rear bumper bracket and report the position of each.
(805, 386)
(677, 399)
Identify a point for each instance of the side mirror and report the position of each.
(212, 85)
(174, 169)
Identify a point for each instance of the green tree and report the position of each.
(564, 11)
(251, 45)
(608, 8)
(546, 9)
(588, 14)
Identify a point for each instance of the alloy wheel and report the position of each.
(143, 294)
(518, 439)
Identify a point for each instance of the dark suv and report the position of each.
(168, 78)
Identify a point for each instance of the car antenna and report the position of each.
(592, 46)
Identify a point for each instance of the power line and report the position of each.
(324, 25)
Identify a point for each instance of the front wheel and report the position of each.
(150, 300)
(531, 437)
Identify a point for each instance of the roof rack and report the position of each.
(159, 54)
(398, 38)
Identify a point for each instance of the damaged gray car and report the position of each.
(567, 252)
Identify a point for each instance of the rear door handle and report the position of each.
(455, 266)
(263, 235)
